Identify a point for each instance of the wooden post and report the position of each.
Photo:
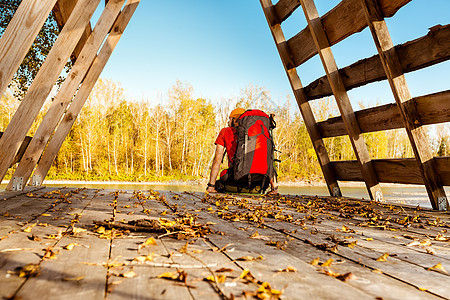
(43, 82)
(19, 36)
(342, 99)
(91, 78)
(301, 99)
(65, 95)
(409, 113)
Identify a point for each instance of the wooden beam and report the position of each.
(345, 19)
(22, 149)
(88, 83)
(67, 91)
(300, 96)
(285, 8)
(43, 82)
(393, 170)
(411, 117)
(425, 51)
(342, 99)
(19, 36)
(433, 109)
(62, 11)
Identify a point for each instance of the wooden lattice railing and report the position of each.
(347, 18)
(89, 51)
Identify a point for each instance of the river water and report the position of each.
(396, 194)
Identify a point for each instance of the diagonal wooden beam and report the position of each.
(300, 96)
(45, 79)
(88, 83)
(402, 95)
(62, 11)
(342, 99)
(66, 93)
(19, 36)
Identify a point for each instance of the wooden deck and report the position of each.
(219, 247)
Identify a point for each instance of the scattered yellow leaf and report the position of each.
(220, 278)
(150, 241)
(30, 270)
(327, 263)
(70, 246)
(266, 292)
(288, 269)
(129, 274)
(438, 268)
(383, 257)
(73, 278)
(249, 258)
(315, 261)
(369, 239)
(184, 248)
(28, 228)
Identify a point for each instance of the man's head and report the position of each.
(234, 115)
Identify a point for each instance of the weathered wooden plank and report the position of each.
(88, 83)
(273, 259)
(411, 117)
(40, 88)
(433, 109)
(301, 99)
(339, 23)
(61, 12)
(425, 51)
(65, 94)
(342, 99)
(19, 36)
(394, 170)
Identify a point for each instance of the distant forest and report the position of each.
(116, 138)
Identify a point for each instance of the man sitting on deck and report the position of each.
(227, 141)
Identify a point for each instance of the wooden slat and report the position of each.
(285, 8)
(19, 36)
(339, 23)
(411, 117)
(68, 89)
(45, 79)
(433, 109)
(300, 97)
(83, 93)
(62, 11)
(394, 170)
(342, 99)
(425, 51)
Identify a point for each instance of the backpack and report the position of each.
(253, 162)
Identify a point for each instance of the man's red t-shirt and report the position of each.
(227, 139)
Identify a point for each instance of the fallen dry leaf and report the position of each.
(49, 253)
(247, 276)
(266, 292)
(249, 258)
(73, 278)
(129, 274)
(28, 228)
(438, 268)
(30, 270)
(383, 257)
(220, 278)
(327, 263)
(150, 241)
(288, 269)
(315, 261)
(70, 246)
(223, 270)
(144, 258)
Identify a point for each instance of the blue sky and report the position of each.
(220, 47)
